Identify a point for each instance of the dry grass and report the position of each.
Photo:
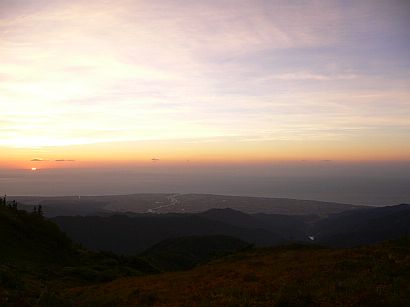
(368, 276)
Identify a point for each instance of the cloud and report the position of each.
(57, 160)
(74, 73)
(304, 76)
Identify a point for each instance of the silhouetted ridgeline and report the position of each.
(133, 234)
(364, 226)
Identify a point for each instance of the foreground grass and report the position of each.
(289, 276)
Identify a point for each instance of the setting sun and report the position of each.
(34, 168)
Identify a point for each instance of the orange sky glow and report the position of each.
(88, 83)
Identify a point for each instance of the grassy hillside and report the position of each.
(28, 237)
(288, 276)
(37, 261)
(187, 252)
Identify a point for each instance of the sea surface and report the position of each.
(370, 184)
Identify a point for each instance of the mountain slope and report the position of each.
(131, 235)
(289, 227)
(286, 276)
(37, 260)
(28, 237)
(366, 226)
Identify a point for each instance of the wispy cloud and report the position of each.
(75, 72)
(302, 76)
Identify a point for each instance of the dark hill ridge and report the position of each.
(289, 227)
(133, 233)
(230, 216)
(365, 226)
(350, 228)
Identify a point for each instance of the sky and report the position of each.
(124, 83)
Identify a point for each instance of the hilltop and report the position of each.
(133, 233)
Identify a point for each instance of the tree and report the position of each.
(40, 210)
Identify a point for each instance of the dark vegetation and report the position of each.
(205, 259)
(364, 226)
(288, 227)
(133, 234)
(294, 275)
(187, 252)
(37, 260)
